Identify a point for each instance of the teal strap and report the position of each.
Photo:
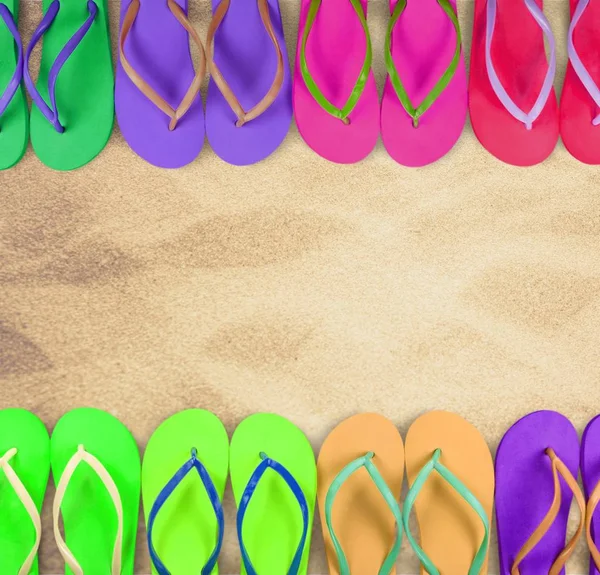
(361, 82)
(442, 84)
(366, 462)
(434, 465)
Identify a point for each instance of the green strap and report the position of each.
(361, 82)
(463, 491)
(366, 462)
(416, 113)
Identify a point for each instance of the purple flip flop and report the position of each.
(249, 100)
(537, 464)
(157, 99)
(590, 474)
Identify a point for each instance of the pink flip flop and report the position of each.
(335, 96)
(424, 105)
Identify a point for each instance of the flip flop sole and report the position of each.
(84, 89)
(361, 518)
(23, 431)
(245, 55)
(519, 58)
(422, 26)
(525, 488)
(273, 524)
(158, 49)
(590, 473)
(335, 53)
(185, 531)
(88, 512)
(451, 532)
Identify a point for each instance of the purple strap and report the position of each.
(15, 81)
(505, 99)
(51, 112)
(578, 66)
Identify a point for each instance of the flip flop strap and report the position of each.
(578, 65)
(361, 82)
(14, 83)
(589, 515)
(51, 112)
(271, 95)
(81, 455)
(442, 83)
(268, 463)
(432, 465)
(505, 99)
(29, 505)
(366, 462)
(174, 114)
(558, 468)
(163, 496)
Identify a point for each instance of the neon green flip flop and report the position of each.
(24, 471)
(73, 111)
(96, 468)
(14, 116)
(274, 480)
(183, 480)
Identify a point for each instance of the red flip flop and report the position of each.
(580, 102)
(513, 105)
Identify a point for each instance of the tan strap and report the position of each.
(558, 468)
(589, 515)
(174, 114)
(29, 505)
(83, 456)
(271, 95)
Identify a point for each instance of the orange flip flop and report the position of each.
(453, 505)
(360, 471)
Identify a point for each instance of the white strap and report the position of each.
(29, 505)
(78, 457)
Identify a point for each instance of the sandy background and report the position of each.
(302, 287)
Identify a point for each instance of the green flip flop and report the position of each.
(183, 480)
(14, 116)
(24, 471)
(274, 480)
(96, 467)
(73, 111)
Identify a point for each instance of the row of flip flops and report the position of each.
(251, 96)
(357, 480)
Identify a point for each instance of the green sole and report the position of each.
(84, 89)
(88, 512)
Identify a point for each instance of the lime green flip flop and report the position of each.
(24, 471)
(14, 116)
(274, 480)
(73, 111)
(183, 481)
(96, 468)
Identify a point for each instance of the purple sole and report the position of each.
(590, 472)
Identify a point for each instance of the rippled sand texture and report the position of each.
(302, 287)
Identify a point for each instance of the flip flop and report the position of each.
(511, 93)
(249, 100)
(157, 95)
(590, 474)
(451, 485)
(537, 464)
(24, 471)
(96, 469)
(274, 480)
(183, 480)
(360, 470)
(336, 104)
(580, 101)
(424, 105)
(14, 116)
(76, 78)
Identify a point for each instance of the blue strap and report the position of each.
(192, 463)
(268, 463)
(14, 83)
